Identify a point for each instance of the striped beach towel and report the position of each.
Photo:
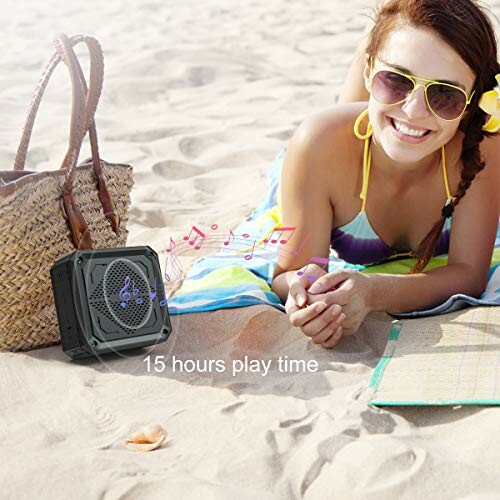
(240, 273)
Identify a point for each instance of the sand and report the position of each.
(200, 97)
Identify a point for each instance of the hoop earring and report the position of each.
(369, 128)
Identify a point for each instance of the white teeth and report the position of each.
(408, 131)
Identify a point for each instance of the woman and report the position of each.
(430, 178)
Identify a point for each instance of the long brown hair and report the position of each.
(464, 25)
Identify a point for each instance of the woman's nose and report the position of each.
(415, 105)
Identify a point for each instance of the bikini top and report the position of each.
(357, 242)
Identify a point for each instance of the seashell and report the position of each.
(147, 439)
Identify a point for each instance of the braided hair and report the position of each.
(464, 25)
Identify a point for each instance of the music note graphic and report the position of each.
(231, 235)
(175, 265)
(316, 260)
(249, 256)
(199, 234)
(281, 239)
(245, 235)
(124, 295)
(135, 292)
(152, 295)
(172, 245)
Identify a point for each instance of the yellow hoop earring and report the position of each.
(369, 128)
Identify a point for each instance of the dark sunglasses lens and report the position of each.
(445, 101)
(389, 87)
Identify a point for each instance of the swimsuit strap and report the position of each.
(369, 128)
(367, 159)
(366, 153)
(445, 175)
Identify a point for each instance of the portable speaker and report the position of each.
(109, 299)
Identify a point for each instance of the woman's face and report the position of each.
(423, 54)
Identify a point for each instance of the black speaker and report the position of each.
(109, 299)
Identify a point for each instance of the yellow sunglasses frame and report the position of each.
(415, 85)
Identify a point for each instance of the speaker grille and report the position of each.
(123, 295)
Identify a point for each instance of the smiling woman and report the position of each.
(431, 166)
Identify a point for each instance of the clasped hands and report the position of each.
(333, 305)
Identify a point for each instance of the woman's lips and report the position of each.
(407, 138)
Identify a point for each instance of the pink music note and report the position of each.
(172, 245)
(249, 256)
(175, 265)
(199, 234)
(245, 235)
(281, 239)
(231, 235)
(296, 252)
(324, 261)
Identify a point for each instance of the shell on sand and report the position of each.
(147, 439)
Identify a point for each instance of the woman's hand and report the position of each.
(297, 296)
(319, 321)
(349, 289)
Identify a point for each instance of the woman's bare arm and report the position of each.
(305, 201)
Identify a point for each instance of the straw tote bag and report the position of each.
(46, 215)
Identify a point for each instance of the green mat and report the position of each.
(452, 359)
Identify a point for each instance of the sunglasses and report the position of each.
(389, 87)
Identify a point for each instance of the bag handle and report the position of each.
(93, 94)
(82, 119)
(78, 226)
(89, 106)
(80, 233)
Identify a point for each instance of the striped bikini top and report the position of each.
(357, 242)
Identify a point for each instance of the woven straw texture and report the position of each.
(43, 215)
(34, 234)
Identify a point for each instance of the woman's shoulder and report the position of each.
(490, 153)
(322, 153)
(333, 127)
(327, 139)
(328, 146)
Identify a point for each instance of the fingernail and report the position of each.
(335, 309)
(341, 317)
(313, 288)
(320, 306)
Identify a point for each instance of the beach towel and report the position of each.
(240, 272)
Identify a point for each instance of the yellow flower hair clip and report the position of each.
(490, 103)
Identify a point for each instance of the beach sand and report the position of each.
(200, 97)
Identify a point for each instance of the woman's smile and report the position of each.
(407, 132)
